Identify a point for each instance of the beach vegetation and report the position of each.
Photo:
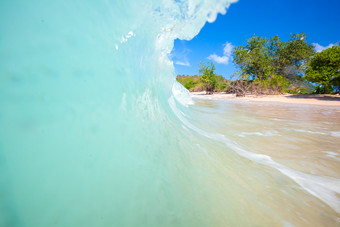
(194, 83)
(272, 65)
(208, 77)
(324, 69)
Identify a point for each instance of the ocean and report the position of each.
(95, 130)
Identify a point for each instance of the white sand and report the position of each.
(323, 100)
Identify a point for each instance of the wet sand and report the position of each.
(322, 100)
(303, 139)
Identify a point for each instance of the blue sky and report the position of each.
(320, 20)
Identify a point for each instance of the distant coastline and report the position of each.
(312, 99)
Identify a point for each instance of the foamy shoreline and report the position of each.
(322, 100)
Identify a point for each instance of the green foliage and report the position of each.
(299, 87)
(276, 82)
(253, 59)
(208, 77)
(292, 56)
(222, 83)
(189, 85)
(271, 62)
(193, 83)
(320, 89)
(188, 82)
(324, 69)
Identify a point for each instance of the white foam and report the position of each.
(335, 134)
(332, 155)
(266, 133)
(181, 94)
(322, 187)
(308, 131)
(128, 36)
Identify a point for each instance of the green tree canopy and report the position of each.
(264, 58)
(324, 68)
(208, 77)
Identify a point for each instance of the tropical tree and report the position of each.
(269, 61)
(208, 77)
(253, 59)
(324, 69)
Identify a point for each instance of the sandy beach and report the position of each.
(320, 99)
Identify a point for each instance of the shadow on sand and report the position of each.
(318, 97)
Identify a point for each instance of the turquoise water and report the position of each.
(95, 131)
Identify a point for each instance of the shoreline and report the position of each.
(317, 99)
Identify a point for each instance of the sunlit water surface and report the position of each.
(304, 142)
(94, 131)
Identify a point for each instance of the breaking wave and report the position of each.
(91, 129)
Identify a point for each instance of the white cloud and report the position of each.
(319, 48)
(225, 59)
(181, 57)
(184, 63)
(228, 49)
(220, 60)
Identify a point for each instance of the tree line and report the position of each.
(272, 66)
